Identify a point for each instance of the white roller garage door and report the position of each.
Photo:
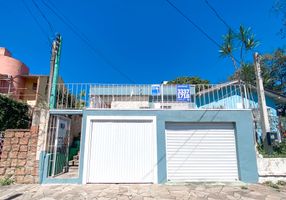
(121, 151)
(201, 152)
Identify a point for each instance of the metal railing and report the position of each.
(156, 96)
(30, 97)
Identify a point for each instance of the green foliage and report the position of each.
(193, 80)
(273, 67)
(279, 150)
(247, 74)
(270, 184)
(282, 183)
(13, 114)
(238, 43)
(244, 187)
(67, 100)
(227, 46)
(6, 181)
(279, 7)
(276, 63)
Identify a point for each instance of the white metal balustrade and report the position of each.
(155, 96)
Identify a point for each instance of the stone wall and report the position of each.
(271, 169)
(18, 158)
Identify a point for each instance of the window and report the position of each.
(35, 86)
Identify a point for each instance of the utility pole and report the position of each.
(55, 72)
(262, 105)
(52, 64)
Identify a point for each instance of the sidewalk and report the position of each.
(141, 192)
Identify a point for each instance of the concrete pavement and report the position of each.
(142, 192)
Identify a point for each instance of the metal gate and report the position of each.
(58, 143)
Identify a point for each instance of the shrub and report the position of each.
(13, 114)
(279, 150)
(6, 181)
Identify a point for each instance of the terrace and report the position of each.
(153, 96)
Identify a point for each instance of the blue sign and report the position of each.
(183, 93)
(155, 90)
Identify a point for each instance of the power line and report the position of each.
(44, 16)
(217, 14)
(85, 39)
(65, 20)
(37, 22)
(197, 27)
(64, 17)
(194, 24)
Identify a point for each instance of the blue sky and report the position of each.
(145, 39)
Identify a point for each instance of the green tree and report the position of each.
(279, 7)
(247, 74)
(193, 80)
(240, 42)
(13, 114)
(276, 63)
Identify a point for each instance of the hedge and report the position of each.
(13, 114)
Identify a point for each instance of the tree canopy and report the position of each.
(279, 7)
(193, 80)
(273, 67)
(13, 114)
(237, 45)
(276, 63)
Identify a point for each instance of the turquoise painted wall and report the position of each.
(233, 100)
(247, 166)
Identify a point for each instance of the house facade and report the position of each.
(146, 134)
(17, 82)
(235, 97)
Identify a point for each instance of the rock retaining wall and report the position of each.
(18, 159)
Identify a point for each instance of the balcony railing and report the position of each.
(155, 96)
(23, 95)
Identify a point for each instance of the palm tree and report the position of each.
(227, 48)
(243, 39)
(247, 41)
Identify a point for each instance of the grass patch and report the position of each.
(273, 185)
(282, 183)
(6, 181)
(244, 187)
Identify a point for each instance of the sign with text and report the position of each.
(155, 89)
(183, 93)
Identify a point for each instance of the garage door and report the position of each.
(121, 151)
(201, 152)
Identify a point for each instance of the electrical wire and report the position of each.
(217, 14)
(194, 24)
(197, 27)
(85, 39)
(44, 16)
(37, 22)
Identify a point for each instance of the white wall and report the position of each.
(271, 169)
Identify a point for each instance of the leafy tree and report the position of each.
(239, 42)
(273, 67)
(13, 114)
(276, 63)
(279, 7)
(193, 80)
(247, 74)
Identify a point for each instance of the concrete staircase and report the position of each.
(75, 161)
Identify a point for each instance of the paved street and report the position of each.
(138, 192)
